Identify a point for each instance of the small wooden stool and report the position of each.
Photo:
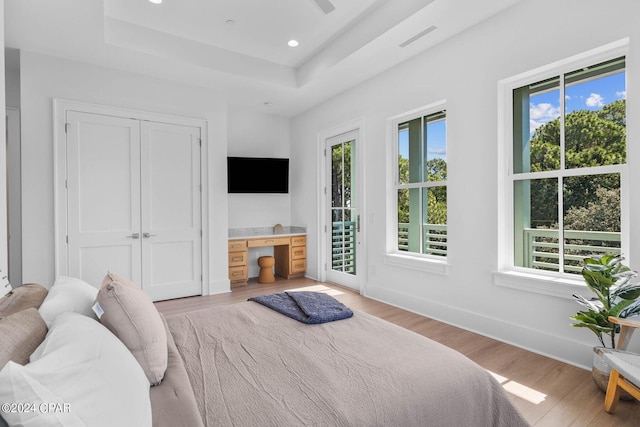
(266, 264)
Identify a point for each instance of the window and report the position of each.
(421, 184)
(568, 167)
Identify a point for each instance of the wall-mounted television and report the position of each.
(257, 175)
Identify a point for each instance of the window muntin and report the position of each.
(421, 185)
(569, 150)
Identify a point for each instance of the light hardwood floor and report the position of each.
(547, 392)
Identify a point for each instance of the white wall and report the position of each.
(255, 134)
(465, 71)
(44, 78)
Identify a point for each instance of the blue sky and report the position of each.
(590, 95)
(436, 141)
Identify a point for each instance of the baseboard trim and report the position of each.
(218, 287)
(556, 347)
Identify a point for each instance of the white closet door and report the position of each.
(103, 197)
(171, 224)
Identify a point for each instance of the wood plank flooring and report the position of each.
(546, 391)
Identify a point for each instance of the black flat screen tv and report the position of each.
(257, 175)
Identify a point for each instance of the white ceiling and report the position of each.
(248, 60)
(260, 29)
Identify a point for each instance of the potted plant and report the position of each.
(615, 295)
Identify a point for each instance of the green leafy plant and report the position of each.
(616, 296)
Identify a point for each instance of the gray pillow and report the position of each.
(20, 334)
(130, 314)
(21, 298)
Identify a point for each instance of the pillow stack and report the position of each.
(83, 375)
(22, 329)
(101, 370)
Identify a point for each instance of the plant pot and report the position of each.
(601, 371)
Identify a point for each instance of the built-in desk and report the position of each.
(289, 250)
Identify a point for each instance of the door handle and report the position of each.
(147, 235)
(133, 236)
(358, 223)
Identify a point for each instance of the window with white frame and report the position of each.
(568, 166)
(421, 183)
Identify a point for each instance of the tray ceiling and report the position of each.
(239, 47)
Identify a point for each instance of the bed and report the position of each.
(249, 365)
(108, 358)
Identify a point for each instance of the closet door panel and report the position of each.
(171, 222)
(103, 196)
(120, 260)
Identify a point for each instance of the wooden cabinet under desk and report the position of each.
(290, 254)
(291, 260)
(238, 261)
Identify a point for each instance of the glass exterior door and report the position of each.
(343, 215)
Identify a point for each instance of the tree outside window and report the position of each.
(569, 149)
(421, 185)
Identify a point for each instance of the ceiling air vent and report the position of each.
(417, 36)
(325, 5)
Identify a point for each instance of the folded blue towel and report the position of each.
(306, 307)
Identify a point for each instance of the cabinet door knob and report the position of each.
(133, 236)
(147, 235)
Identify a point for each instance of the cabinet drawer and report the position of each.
(238, 273)
(237, 259)
(237, 245)
(272, 241)
(298, 252)
(298, 266)
(299, 241)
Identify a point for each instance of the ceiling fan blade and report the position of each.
(325, 5)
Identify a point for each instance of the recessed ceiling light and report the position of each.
(293, 43)
(230, 22)
(155, 1)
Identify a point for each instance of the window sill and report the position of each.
(418, 263)
(539, 283)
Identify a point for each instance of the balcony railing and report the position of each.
(435, 238)
(542, 248)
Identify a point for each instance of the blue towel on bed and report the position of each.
(306, 307)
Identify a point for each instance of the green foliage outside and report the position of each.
(592, 138)
(591, 203)
(436, 196)
(341, 176)
(599, 214)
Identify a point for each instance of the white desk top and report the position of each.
(259, 232)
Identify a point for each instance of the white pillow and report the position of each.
(68, 294)
(87, 371)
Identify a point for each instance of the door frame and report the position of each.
(60, 109)
(324, 227)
